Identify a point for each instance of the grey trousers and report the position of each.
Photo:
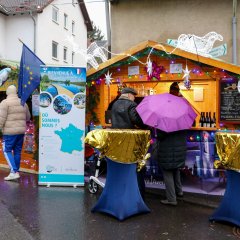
(173, 184)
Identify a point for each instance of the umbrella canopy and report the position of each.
(166, 112)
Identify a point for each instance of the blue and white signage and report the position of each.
(62, 125)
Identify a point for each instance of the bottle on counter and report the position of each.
(200, 120)
(203, 120)
(207, 120)
(214, 120)
(210, 119)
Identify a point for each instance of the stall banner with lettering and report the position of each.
(229, 100)
(62, 125)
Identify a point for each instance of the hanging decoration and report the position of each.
(187, 42)
(186, 76)
(108, 79)
(155, 71)
(149, 67)
(238, 86)
(92, 53)
(198, 45)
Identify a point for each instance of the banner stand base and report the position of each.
(74, 185)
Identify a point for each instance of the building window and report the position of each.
(73, 28)
(55, 13)
(65, 20)
(65, 54)
(55, 50)
(73, 55)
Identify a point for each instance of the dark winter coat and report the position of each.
(170, 149)
(124, 114)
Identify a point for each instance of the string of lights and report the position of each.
(77, 3)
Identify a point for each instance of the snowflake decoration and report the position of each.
(186, 77)
(108, 79)
(149, 67)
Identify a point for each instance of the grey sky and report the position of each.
(96, 11)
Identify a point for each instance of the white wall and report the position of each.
(134, 21)
(57, 32)
(18, 27)
(2, 36)
(14, 27)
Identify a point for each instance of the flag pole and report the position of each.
(20, 41)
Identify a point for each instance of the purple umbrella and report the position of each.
(166, 112)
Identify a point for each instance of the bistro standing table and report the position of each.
(228, 147)
(124, 149)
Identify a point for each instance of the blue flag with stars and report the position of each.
(29, 74)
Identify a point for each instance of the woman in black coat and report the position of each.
(171, 154)
(171, 151)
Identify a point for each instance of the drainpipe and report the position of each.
(108, 28)
(234, 32)
(34, 32)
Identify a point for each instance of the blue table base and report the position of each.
(121, 197)
(229, 209)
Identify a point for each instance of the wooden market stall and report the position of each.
(215, 89)
(129, 69)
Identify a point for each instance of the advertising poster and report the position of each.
(62, 126)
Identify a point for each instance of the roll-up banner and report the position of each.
(62, 126)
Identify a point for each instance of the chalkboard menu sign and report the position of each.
(229, 100)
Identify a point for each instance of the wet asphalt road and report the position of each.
(29, 211)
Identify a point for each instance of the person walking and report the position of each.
(171, 151)
(125, 116)
(13, 118)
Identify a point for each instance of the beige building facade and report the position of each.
(134, 21)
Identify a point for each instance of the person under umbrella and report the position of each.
(171, 150)
(170, 116)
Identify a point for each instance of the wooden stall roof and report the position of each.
(159, 46)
